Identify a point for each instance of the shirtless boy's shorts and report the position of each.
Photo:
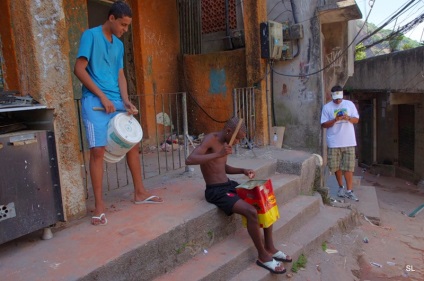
(223, 195)
(95, 122)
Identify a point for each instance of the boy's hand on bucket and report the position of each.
(250, 173)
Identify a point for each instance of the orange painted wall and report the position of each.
(9, 64)
(210, 79)
(156, 49)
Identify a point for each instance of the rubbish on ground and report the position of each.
(365, 240)
(416, 211)
(169, 147)
(376, 264)
(331, 251)
(191, 141)
(318, 268)
(391, 263)
(337, 200)
(205, 251)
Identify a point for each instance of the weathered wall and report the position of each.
(297, 100)
(255, 12)
(393, 79)
(419, 139)
(7, 44)
(399, 72)
(42, 52)
(76, 23)
(335, 42)
(211, 79)
(157, 44)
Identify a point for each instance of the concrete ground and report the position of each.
(394, 249)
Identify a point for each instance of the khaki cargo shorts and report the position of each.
(341, 158)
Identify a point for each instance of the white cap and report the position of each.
(337, 95)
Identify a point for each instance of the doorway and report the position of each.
(366, 109)
(406, 136)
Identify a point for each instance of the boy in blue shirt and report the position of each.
(99, 67)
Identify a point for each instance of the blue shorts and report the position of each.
(223, 195)
(96, 122)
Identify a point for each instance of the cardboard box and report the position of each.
(260, 194)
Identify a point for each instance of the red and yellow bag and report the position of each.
(260, 194)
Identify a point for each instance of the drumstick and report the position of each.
(233, 137)
(97, 108)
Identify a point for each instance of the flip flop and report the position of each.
(100, 218)
(149, 200)
(280, 256)
(271, 265)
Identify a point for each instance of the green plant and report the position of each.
(181, 249)
(324, 246)
(300, 263)
(360, 53)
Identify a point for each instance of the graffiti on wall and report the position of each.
(335, 60)
(217, 78)
(158, 42)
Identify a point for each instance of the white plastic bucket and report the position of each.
(123, 132)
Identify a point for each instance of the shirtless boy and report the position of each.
(211, 155)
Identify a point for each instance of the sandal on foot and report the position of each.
(150, 200)
(271, 266)
(280, 256)
(99, 220)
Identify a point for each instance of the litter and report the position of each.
(365, 240)
(331, 251)
(416, 211)
(376, 264)
(391, 263)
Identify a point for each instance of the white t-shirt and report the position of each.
(342, 133)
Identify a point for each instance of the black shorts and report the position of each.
(223, 195)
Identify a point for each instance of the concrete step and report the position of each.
(225, 259)
(309, 237)
(141, 242)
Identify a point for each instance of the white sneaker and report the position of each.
(341, 192)
(351, 195)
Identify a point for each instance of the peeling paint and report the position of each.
(149, 66)
(51, 55)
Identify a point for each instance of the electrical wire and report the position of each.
(399, 32)
(371, 3)
(387, 22)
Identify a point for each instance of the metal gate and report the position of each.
(165, 151)
(244, 107)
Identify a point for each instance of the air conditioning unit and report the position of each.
(271, 40)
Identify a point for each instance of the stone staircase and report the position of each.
(304, 224)
(185, 238)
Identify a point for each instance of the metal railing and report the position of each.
(244, 107)
(163, 148)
